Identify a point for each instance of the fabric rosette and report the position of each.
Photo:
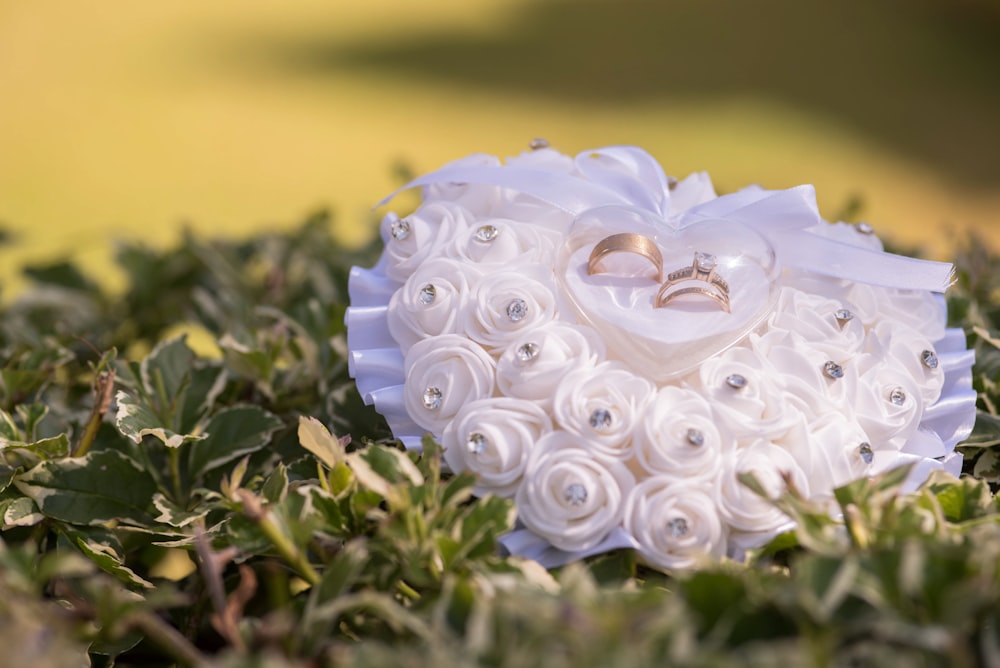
(614, 349)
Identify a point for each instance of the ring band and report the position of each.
(702, 269)
(626, 242)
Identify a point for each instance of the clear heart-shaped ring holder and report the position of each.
(666, 299)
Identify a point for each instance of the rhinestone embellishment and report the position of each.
(538, 143)
(527, 352)
(736, 381)
(897, 396)
(400, 229)
(833, 370)
(866, 453)
(929, 359)
(575, 494)
(476, 443)
(864, 228)
(695, 437)
(427, 294)
(678, 527)
(486, 233)
(843, 317)
(432, 398)
(517, 309)
(601, 419)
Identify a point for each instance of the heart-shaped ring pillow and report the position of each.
(611, 348)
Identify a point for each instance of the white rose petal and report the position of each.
(908, 349)
(813, 318)
(888, 404)
(443, 373)
(430, 301)
(411, 240)
(493, 438)
(603, 404)
(741, 507)
(678, 437)
(504, 304)
(498, 241)
(675, 523)
(536, 360)
(569, 496)
(925, 312)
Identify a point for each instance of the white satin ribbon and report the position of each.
(628, 176)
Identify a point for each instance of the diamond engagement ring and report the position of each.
(702, 269)
(626, 242)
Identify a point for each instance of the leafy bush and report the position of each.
(189, 477)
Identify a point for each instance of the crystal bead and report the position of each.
(486, 233)
(695, 437)
(517, 309)
(527, 352)
(400, 229)
(427, 294)
(864, 228)
(897, 396)
(866, 453)
(477, 443)
(704, 261)
(678, 527)
(432, 398)
(843, 316)
(575, 494)
(833, 370)
(929, 359)
(736, 381)
(601, 419)
(538, 143)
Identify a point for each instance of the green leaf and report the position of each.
(104, 549)
(136, 419)
(231, 434)
(276, 485)
(20, 512)
(206, 384)
(174, 515)
(102, 486)
(166, 371)
(315, 438)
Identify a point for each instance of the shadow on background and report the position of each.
(918, 76)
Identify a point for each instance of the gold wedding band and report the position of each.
(702, 269)
(626, 242)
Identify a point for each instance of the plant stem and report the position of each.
(253, 509)
(168, 638)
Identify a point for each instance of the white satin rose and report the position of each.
(925, 312)
(420, 236)
(479, 199)
(443, 373)
(826, 324)
(536, 360)
(908, 349)
(888, 403)
(499, 241)
(569, 496)
(505, 303)
(675, 523)
(678, 437)
(744, 392)
(839, 453)
(755, 517)
(603, 405)
(430, 301)
(492, 438)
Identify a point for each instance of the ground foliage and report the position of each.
(239, 506)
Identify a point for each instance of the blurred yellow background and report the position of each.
(125, 119)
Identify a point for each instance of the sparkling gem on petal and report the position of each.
(833, 370)
(538, 143)
(866, 453)
(400, 229)
(517, 309)
(575, 494)
(432, 398)
(678, 527)
(843, 316)
(487, 233)
(929, 359)
(704, 261)
(695, 437)
(601, 419)
(864, 228)
(427, 294)
(736, 381)
(527, 352)
(897, 396)
(476, 443)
